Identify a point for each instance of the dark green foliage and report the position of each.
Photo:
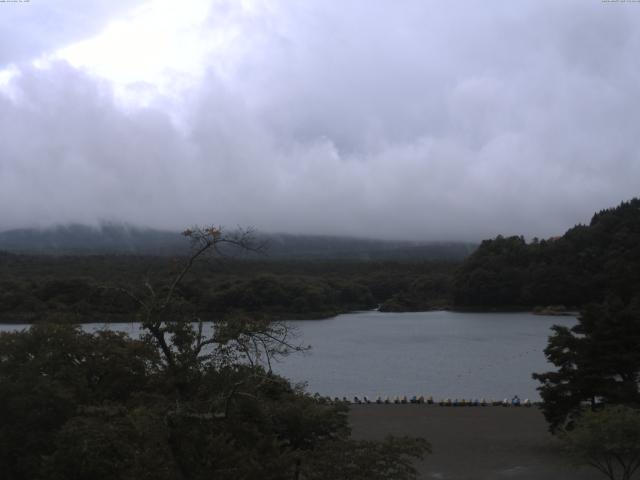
(81, 289)
(106, 443)
(78, 406)
(608, 440)
(598, 361)
(424, 292)
(47, 373)
(270, 293)
(584, 265)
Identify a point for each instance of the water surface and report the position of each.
(444, 354)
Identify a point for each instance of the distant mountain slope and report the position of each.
(584, 265)
(83, 239)
(125, 239)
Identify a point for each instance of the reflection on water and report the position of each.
(444, 354)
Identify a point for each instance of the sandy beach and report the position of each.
(473, 443)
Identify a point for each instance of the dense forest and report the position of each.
(92, 288)
(103, 406)
(584, 265)
(78, 273)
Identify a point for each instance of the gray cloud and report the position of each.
(431, 121)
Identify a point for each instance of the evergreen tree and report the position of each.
(598, 361)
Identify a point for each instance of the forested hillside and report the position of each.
(89, 288)
(323, 276)
(584, 265)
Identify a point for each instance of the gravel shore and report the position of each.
(474, 443)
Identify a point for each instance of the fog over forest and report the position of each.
(407, 120)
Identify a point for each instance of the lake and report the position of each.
(444, 354)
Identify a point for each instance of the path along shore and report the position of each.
(473, 443)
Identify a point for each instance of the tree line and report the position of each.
(87, 288)
(586, 264)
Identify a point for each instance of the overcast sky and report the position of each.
(393, 119)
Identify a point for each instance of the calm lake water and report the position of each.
(444, 354)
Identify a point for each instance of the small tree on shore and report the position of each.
(608, 440)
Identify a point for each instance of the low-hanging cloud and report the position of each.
(427, 122)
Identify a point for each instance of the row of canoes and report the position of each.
(446, 402)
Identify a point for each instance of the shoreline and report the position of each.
(29, 318)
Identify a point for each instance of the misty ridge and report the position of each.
(118, 238)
